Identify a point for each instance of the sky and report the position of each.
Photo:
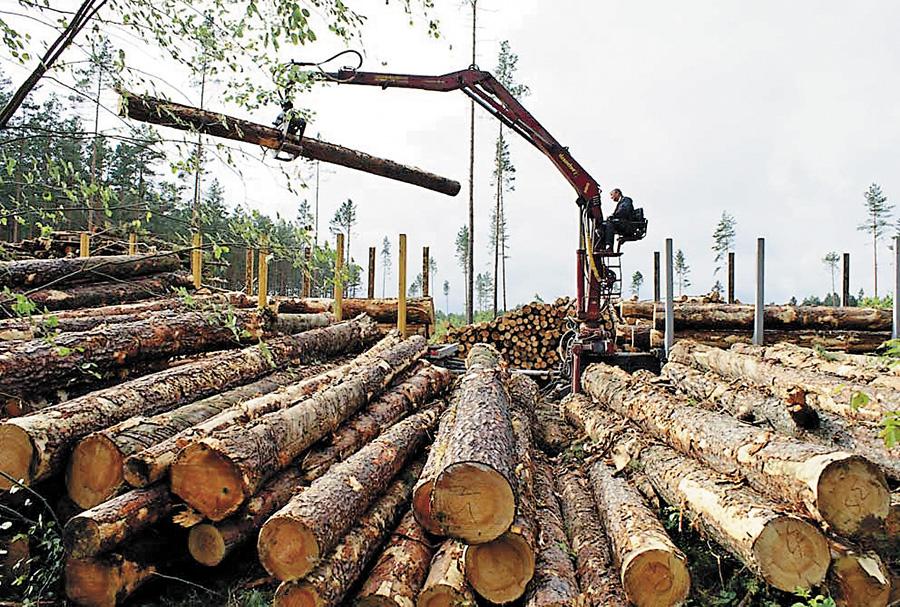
(780, 113)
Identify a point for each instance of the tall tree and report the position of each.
(385, 262)
(343, 221)
(415, 287)
(483, 286)
(723, 239)
(432, 274)
(637, 280)
(831, 263)
(447, 296)
(682, 272)
(462, 258)
(878, 213)
(470, 240)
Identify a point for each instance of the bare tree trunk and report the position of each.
(470, 262)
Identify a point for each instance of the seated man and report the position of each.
(612, 226)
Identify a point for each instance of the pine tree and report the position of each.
(385, 262)
(343, 221)
(831, 263)
(637, 279)
(447, 296)
(682, 272)
(723, 239)
(462, 258)
(878, 211)
(415, 288)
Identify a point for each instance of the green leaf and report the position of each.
(859, 399)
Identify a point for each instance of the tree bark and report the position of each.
(109, 293)
(419, 311)
(401, 569)
(177, 116)
(329, 583)
(30, 273)
(446, 584)
(857, 578)
(299, 535)
(856, 342)
(421, 497)
(652, 569)
(844, 490)
(473, 498)
(551, 432)
(597, 579)
(216, 474)
(35, 446)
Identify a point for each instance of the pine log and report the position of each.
(473, 498)
(736, 316)
(150, 465)
(30, 273)
(177, 116)
(398, 575)
(863, 369)
(297, 323)
(857, 342)
(218, 473)
(35, 446)
(329, 583)
(425, 383)
(109, 293)
(597, 577)
(419, 310)
(299, 535)
(858, 578)
(554, 583)
(446, 584)
(500, 570)
(652, 569)
(844, 490)
(96, 467)
(835, 395)
(48, 325)
(551, 432)
(421, 497)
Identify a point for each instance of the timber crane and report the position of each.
(592, 333)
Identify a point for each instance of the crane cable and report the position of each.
(318, 65)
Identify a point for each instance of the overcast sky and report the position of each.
(781, 113)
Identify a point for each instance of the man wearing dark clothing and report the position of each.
(624, 212)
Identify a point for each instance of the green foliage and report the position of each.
(884, 303)
(891, 429)
(637, 279)
(810, 600)
(723, 239)
(682, 272)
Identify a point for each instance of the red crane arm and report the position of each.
(484, 89)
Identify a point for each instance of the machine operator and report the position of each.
(616, 222)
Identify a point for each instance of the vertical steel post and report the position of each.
(425, 272)
(759, 337)
(845, 291)
(401, 288)
(339, 278)
(731, 277)
(655, 276)
(371, 285)
(670, 299)
(308, 277)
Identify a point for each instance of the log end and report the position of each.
(500, 570)
(287, 549)
(852, 496)
(207, 481)
(860, 580)
(16, 454)
(792, 554)
(81, 537)
(443, 595)
(90, 582)
(206, 545)
(656, 578)
(139, 472)
(421, 502)
(292, 594)
(95, 471)
(473, 502)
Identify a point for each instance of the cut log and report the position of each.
(109, 293)
(424, 384)
(30, 273)
(297, 323)
(329, 583)
(45, 325)
(858, 342)
(554, 583)
(858, 578)
(842, 489)
(401, 569)
(473, 498)
(150, 465)
(652, 569)
(501, 569)
(183, 117)
(218, 473)
(105, 526)
(421, 497)
(419, 310)
(35, 446)
(597, 577)
(551, 432)
(863, 369)
(446, 584)
(296, 537)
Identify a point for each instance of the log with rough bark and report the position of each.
(183, 117)
(832, 394)
(446, 584)
(299, 535)
(421, 497)
(218, 473)
(35, 446)
(863, 369)
(597, 577)
(329, 583)
(419, 310)
(858, 578)
(856, 342)
(150, 465)
(473, 497)
(551, 432)
(500, 570)
(842, 489)
(736, 316)
(96, 467)
(554, 583)
(109, 293)
(31, 273)
(398, 575)
(652, 569)
(45, 325)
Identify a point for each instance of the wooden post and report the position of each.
(731, 277)
(670, 299)
(655, 276)
(263, 270)
(85, 250)
(401, 288)
(307, 277)
(248, 271)
(760, 310)
(845, 291)
(132, 244)
(371, 284)
(425, 272)
(197, 259)
(339, 278)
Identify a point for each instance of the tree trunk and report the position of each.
(859, 342)
(216, 474)
(421, 497)
(31, 273)
(652, 569)
(400, 571)
(177, 116)
(109, 293)
(329, 583)
(151, 464)
(554, 583)
(419, 310)
(35, 446)
(815, 479)
(858, 579)
(446, 584)
(299, 535)
(551, 432)
(473, 498)
(597, 579)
